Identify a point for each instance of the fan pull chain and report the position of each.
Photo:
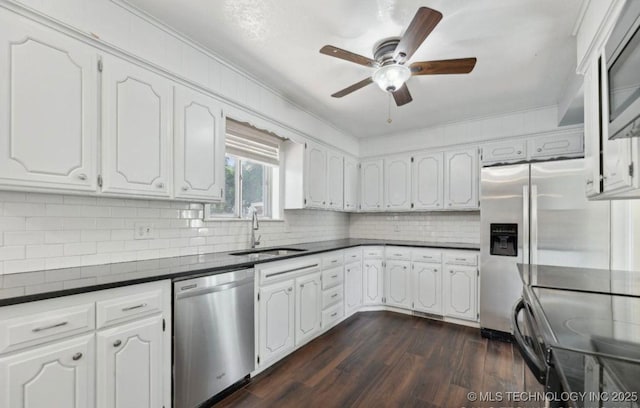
(389, 120)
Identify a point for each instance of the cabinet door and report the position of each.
(428, 181)
(353, 287)
(199, 146)
(398, 283)
(277, 322)
(461, 179)
(397, 183)
(507, 151)
(592, 129)
(351, 173)
(308, 307)
(48, 108)
(315, 175)
(371, 184)
(372, 280)
(557, 146)
(335, 180)
(460, 292)
(136, 130)
(130, 365)
(427, 287)
(58, 375)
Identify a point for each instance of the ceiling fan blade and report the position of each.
(452, 66)
(353, 88)
(402, 96)
(423, 23)
(348, 56)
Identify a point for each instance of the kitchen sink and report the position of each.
(266, 253)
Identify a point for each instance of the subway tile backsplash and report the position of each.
(43, 231)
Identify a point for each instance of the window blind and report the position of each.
(246, 141)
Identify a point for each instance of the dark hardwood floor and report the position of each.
(384, 359)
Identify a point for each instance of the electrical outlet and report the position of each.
(144, 231)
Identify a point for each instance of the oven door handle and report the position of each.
(535, 364)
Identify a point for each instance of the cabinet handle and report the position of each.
(82, 176)
(335, 295)
(397, 254)
(117, 343)
(334, 314)
(449, 204)
(330, 202)
(404, 267)
(461, 259)
(302, 285)
(128, 308)
(77, 356)
(438, 205)
(334, 276)
(519, 152)
(388, 205)
(353, 256)
(53, 326)
(289, 289)
(451, 272)
(589, 182)
(185, 188)
(160, 185)
(378, 205)
(539, 149)
(435, 270)
(334, 261)
(323, 202)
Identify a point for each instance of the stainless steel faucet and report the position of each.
(254, 227)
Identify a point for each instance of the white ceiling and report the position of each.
(524, 48)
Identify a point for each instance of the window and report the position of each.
(251, 174)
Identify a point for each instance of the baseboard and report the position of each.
(496, 335)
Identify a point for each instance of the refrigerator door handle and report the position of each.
(525, 224)
(534, 225)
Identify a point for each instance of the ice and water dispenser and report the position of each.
(504, 239)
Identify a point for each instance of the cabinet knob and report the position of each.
(160, 185)
(388, 205)
(117, 343)
(519, 152)
(302, 285)
(449, 204)
(589, 182)
(539, 149)
(185, 188)
(378, 205)
(77, 356)
(451, 272)
(323, 202)
(438, 205)
(289, 289)
(82, 176)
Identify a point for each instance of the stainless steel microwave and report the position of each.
(621, 75)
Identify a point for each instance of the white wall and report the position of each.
(120, 27)
(460, 227)
(625, 234)
(472, 131)
(39, 231)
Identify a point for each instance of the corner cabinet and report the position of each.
(335, 180)
(373, 281)
(351, 183)
(352, 287)
(199, 146)
(48, 108)
(136, 130)
(372, 185)
(461, 179)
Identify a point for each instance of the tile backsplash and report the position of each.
(41, 231)
(462, 226)
(45, 231)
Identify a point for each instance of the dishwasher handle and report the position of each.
(214, 288)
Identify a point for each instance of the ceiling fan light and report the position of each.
(391, 77)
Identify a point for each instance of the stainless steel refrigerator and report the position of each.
(534, 213)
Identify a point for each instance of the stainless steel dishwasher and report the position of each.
(213, 335)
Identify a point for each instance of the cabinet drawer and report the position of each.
(556, 145)
(373, 252)
(401, 253)
(352, 255)
(332, 315)
(332, 259)
(332, 296)
(426, 255)
(504, 152)
(332, 277)
(122, 309)
(461, 258)
(31, 328)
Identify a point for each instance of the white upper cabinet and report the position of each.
(592, 129)
(130, 365)
(398, 283)
(428, 181)
(136, 136)
(315, 174)
(397, 183)
(199, 146)
(48, 108)
(461, 179)
(371, 182)
(557, 145)
(335, 180)
(351, 184)
(58, 375)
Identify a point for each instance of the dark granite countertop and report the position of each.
(38, 285)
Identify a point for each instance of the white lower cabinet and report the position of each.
(398, 283)
(308, 307)
(427, 287)
(352, 287)
(58, 375)
(460, 291)
(129, 362)
(276, 320)
(372, 281)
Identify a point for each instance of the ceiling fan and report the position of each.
(391, 55)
